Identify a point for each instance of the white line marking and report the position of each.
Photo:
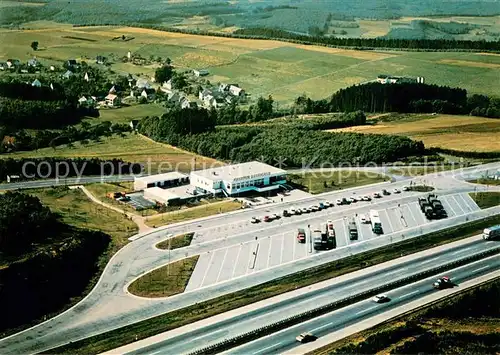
(412, 215)
(282, 247)
(208, 268)
(366, 310)
(446, 198)
(295, 242)
(266, 348)
(458, 204)
(269, 253)
(388, 220)
(323, 326)
(481, 268)
(409, 294)
(428, 261)
(156, 352)
(461, 251)
(395, 271)
(222, 265)
(236, 261)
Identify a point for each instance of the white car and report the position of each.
(275, 216)
(353, 199)
(406, 188)
(396, 191)
(255, 220)
(338, 201)
(314, 208)
(329, 204)
(293, 211)
(380, 299)
(366, 198)
(364, 219)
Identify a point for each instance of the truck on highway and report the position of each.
(492, 233)
(353, 230)
(375, 221)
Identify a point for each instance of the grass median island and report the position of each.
(319, 182)
(205, 210)
(179, 241)
(486, 199)
(190, 314)
(495, 182)
(469, 321)
(165, 281)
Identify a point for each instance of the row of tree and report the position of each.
(38, 168)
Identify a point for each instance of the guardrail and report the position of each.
(302, 317)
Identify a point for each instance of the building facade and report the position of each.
(231, 180)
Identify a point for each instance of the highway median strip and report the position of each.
(175, 319)
(308, 315)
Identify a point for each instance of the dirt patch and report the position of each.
(467, 63)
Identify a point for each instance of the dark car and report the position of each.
(306, 337)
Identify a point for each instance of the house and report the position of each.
(236, 91)
(174, 97)
(202, 94)
(186, 103)
(209, 101)
(100, 59)
(33, 63)
(13, 63)
(87, 102)
(112, 100)
(133, 124)
(3, 65)
(86, 77)
(143, 84)
(68, 74)
(144, 94)
(219, 102)
(200, 72)
(71, 63)
(223, 87)
(112, 90)
(36, 83)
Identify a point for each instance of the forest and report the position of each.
(295, 143)
(44, 262)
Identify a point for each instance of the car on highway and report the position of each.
(255, 220)
(396, 191)
(381, 299)
(306, 337)
(376, 195)
(442, 283)
(366, 198)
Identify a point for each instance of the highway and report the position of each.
(242, 323)
(358, 312)
(109, 305)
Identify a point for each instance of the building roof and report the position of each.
(163, 194)
(111, 97)
(173, 175)
(243, 171)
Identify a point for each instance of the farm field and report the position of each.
(133, 148)
(465, 133)
(261, 67)
(128, 113)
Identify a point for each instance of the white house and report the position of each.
(200, 72)
(236, 91)
(144, 94)
(112, 90)
(36, 83)
(143, 84)
(68, 74)
(86, 77)
(239, 178)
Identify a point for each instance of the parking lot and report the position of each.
(282, 247)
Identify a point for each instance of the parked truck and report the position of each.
(432, 207)
(376, 223)
(353, 230)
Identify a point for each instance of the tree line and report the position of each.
(46, 262)
(294, 144)
(31, 168)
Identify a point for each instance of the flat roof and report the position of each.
(243, 171)
(173, 175)
(161, 193)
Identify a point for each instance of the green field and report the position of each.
(179, 241)
(486, 199)
(284, 70)
(126, 114)
(132, 148)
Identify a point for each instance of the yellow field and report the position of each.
(464, 133)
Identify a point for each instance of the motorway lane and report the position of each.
(240, 324)
(285, 340)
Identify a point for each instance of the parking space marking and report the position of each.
(222, 265)
(282, 248)
(445, 201)
(458, 204)
(468, 199)
(236, 261)
(208, 268)
(409, 212)
(388, 220)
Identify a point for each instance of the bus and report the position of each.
(375, 221)
(491, 232)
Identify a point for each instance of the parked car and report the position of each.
(286, 213)
(254, 220)
(314, 208)
(322, 206)
(406, 188)
(359, 198)
(329, 204)
(353, 199)
(306, 337)
(396, 191)
(364, 219)
(267, 219)
(376, 195)
(275, 216)
(301, 235)
(385, 192)
(338, 201)
(366, 198)
(380, 299)
(305, 210)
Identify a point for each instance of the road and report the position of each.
(201, 336)
(109, 305)
(285, 340)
